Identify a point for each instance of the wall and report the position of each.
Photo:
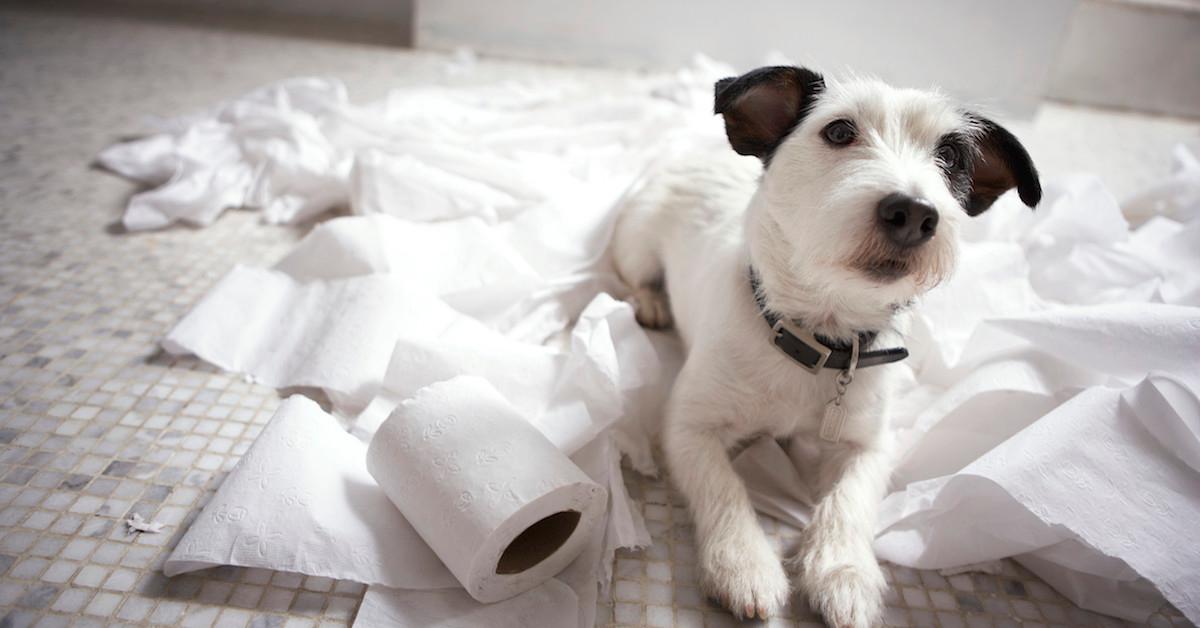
(384, 22)
(1142, 55)
(991, 52)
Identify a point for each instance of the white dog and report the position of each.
(791, 296)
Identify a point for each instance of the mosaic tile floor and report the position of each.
(96, 424)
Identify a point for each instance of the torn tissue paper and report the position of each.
(299, 147)
(335, 334)
(571, 394)
(301, 500)
(502, 507)
(1050, 409)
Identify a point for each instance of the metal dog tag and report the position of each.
(835, 412)
(831, 423)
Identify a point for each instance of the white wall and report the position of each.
(992, 52)
(1142, 55)
(382, 21)
(356, 9)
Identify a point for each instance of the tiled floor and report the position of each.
(96, 424)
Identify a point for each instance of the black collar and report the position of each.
(814, 351)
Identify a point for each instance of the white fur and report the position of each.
(801, 222)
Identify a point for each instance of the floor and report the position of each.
(96, 424)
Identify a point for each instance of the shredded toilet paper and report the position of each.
(338, 333)
(301, 500)
(1051, 410)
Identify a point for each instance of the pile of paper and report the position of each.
(1053, 406)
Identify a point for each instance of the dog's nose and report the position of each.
(907, 221)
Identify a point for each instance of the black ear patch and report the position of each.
(1001, 165)
(762, 106)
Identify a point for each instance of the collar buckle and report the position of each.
(783, 329)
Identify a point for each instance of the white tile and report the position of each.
(628, 613)
(341, 608)
(121, 580)
(168, 612)
(659, 616)
(319, 584)
(91, 576)
(287, 580)
(29, 569)
(10, 592)
(199, 616)
(246, 595)
(658, 593)
(215, 592)
(72, 600)
(689, 618)
(87, 504)
(628, 568)
(658, 570)
(103, 604)
(232, 618)
(135, 609)
(628, 591)
(60, 571)
(277, 600)
(39, 520)
(108, 553)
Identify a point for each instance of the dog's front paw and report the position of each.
(745, 575)
(651, 308)
(848, 593)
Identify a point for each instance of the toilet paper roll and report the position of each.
(499, 504)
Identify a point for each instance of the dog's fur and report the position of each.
(811, 232)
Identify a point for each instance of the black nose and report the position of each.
(907, 221)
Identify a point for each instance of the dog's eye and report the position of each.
(948, 155)
(839, 132)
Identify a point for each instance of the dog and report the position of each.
(789, 279)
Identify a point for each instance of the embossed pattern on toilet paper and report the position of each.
(301, 500)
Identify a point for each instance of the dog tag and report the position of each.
(831, 424)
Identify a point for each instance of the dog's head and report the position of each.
(865, 183)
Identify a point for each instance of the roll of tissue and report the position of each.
(502, 507)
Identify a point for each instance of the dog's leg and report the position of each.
(838, 570)
(635, 247)
(651, 307)
(738, 564)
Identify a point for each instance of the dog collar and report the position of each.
(814, 351)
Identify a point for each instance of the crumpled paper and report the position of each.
(1050, 409)
(299, 147)
(464, 261)
(569, 393)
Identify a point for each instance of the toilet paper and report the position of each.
(499, 504)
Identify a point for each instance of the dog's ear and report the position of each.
(762, 106)
(1001, 165)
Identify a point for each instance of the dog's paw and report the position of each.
(847, 594)
(651, 308)
(745, 576)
